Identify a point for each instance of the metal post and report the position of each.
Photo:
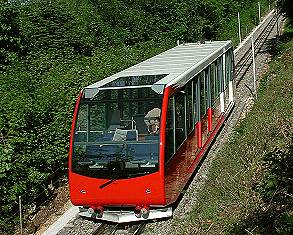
(20, 215)
(239, 27)
(253, 63)
(259, 14)
(269, 5)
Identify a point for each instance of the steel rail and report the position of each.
(118, 229)
(137, 229)
(105, 229)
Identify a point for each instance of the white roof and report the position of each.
(180, 63)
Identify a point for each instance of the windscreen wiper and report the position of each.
(109, 182)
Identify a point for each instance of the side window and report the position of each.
(219, 76)
(203, 93)
(179, 118)
(195, 99)
(169, 149)
(208, 87)
(189, 100)
(97, 120)
(231, 64)
(227, 69)
(213, 83)
(82, 124)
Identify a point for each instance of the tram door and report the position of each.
(207, 102)
(200, 107)
(204, 103)
(215, 90)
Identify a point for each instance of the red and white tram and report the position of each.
(138, 135)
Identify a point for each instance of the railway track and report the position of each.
(244, 61)
(119, 229)
(105, 229)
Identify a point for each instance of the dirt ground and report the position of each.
(50, 212)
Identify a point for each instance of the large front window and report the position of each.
(117, 134)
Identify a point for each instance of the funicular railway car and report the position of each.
(137, 136)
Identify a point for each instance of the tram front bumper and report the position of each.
(124, 216)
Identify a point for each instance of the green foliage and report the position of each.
(59, 25)
(50, 49)
(11, 45)
(286, 7)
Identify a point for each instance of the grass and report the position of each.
(239, 196)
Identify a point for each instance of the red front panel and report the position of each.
(145, 190)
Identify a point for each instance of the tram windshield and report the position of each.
(117, 134)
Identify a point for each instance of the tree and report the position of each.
(10, 37)
(286, 7)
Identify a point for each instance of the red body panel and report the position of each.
(198, 134)
(184, 162)
(180, 168)
(210, 119)
(145, 190)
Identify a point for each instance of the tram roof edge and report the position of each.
(179, 64)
